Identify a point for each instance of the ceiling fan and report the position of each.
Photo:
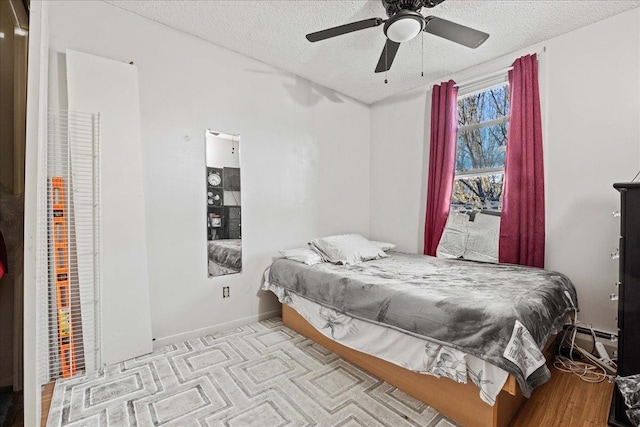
(406, 22)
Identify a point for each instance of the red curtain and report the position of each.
(522, 221)
(442, 162)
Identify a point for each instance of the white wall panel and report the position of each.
(99, 85)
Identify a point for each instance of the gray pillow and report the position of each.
(347, 249)
(303, 255)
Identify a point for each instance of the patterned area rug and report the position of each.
(262, 374)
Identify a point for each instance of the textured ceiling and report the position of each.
(273, 32)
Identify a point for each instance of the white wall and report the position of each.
(399, 150)
(590, 84)
(305, 159)
(593, 121)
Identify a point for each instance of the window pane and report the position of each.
(483, 192)
(481, 148)
(484, 106)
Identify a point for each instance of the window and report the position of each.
(483, 120)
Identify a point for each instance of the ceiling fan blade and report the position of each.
(388, 54)
(455, 32)
(344, 29)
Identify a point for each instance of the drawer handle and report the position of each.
(616, 214)
(615, 254)
(613, 297)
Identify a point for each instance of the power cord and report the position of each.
(586, 371)
(593, 370)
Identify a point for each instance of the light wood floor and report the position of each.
(565, 401)
(47, 394)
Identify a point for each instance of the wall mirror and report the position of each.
(224, 218)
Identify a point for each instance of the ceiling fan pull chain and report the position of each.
(422, 71)
(386, 67)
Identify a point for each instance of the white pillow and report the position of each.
(384, 246)
(454, 237)
(484, 234)
(303, 255)
(347, 249)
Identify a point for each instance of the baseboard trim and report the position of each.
(195, 333)
(599, 333)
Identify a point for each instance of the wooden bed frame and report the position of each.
(460, 402)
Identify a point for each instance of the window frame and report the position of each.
(475, 173)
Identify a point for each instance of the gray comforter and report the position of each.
(471, 306)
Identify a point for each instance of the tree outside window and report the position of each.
(483, 120)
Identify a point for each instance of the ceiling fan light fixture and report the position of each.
(404, 26)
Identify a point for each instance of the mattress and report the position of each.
(407, 351)
(500, 313)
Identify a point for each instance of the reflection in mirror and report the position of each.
(224, 232)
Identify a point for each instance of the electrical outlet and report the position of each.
(225, 292)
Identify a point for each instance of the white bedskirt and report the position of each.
(404, 350)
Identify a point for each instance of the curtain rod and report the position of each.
(483, 77)
(487, 76)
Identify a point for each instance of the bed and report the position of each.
(489, 323)
(225, 256)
